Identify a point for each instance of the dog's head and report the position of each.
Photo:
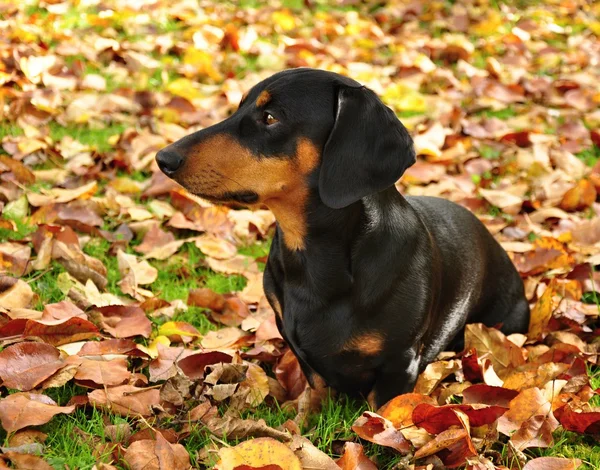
(287, 128)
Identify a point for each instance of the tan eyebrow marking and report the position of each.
(263, 98)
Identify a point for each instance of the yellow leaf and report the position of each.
(258, 453)
(152, 348)
(184, 88)
(203, 63)
(172, 328)
(284, 19)
(126, 185)
(542, 312)
(402, 98)
(492, 24)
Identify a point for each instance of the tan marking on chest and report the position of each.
(368, 344)
(275, 305)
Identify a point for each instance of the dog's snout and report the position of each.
(169, 161)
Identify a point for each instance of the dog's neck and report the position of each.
(325, 258)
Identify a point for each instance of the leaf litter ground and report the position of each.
(133, 326)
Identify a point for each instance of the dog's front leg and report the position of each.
(398, 375)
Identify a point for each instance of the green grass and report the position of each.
(503, 114)
(22, 230)
(185, 271)
(195, 316)
(97, 138)
(45, 286)
(489, 153)
(571, 445)
(73, 439)
(9, 129)
(590, 156)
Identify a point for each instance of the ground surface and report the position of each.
(132, 322)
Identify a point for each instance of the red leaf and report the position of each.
(25, 365)
(435, 419)
(193, 365)
(374, 428)
(471, 367)
(577, 420)
(61, 332)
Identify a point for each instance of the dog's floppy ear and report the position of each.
(367, 151)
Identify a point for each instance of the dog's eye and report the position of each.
(268, 119)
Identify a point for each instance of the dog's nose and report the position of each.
(169, 161)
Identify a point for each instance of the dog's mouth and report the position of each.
(240, 197)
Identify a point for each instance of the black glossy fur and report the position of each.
(409, 271)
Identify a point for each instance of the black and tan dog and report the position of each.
(368, 286)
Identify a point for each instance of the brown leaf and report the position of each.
(14, 258)
(236, 428)
(223, 338)
(20, 410)
(372, 427)
(542, 312)
(310, 456)
(24, 366)
(529, 403)
(59, 332)
(534, 432)
(14, 293)
(289, 374)
(21, 172)
(215, 247)
(453, 446)
(113, 372)
(125, 321)
(110, 346)
(579, 419)
(206, 298)
(533, 375)
(489, 395)
(548, 254)
(552, 463)
(126, 400)
(135, 273)
(354, 458)
(580, 197)
(503, 353)
(258, 453)
(433, 374)
(62, 310)
(193, 365)
(156, 455)
(153, 239)
(27, 461)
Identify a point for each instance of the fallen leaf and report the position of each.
(23, 366)
(372, 427)
(354, 458)
(101, 372)
(552, 463)
(258, 453)
(126, 400)
(124, 321)
(20, 410)
(159, 454)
